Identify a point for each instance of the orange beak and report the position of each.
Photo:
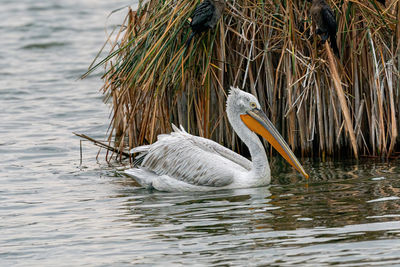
(257, 121)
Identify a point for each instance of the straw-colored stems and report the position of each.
(342, 99)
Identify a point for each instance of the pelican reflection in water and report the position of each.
(180, 161)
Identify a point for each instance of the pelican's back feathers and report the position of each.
(191, 159)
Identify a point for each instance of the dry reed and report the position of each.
(323, 106)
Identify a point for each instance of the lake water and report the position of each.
(54, 212)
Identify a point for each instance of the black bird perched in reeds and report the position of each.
(325, 22)
(205, 17)
(382, 2)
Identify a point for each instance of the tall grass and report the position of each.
(322, 105)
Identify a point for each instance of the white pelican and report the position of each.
(180, 161)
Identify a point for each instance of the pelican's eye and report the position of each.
(253, 105)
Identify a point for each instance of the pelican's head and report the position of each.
(240, 101)
(248, 108)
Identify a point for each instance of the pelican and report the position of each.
(180, 161)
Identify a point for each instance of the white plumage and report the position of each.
(180, 161)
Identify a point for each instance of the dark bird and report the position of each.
(382, 2)
(325, 22)
(205, 17)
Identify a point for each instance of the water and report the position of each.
(54, 212)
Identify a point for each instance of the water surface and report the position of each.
(54, 212)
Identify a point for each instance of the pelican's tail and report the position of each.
(143, 177)
(142, 150)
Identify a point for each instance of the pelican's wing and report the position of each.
(221, 150)
(192, 159)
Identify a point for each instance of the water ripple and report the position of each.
(56, 212)
(43, 45)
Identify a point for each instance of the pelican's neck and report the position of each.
(260, 168)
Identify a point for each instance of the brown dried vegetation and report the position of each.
(323, 106)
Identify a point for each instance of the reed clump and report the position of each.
(323, 106)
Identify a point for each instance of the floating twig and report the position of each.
(102, 145)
